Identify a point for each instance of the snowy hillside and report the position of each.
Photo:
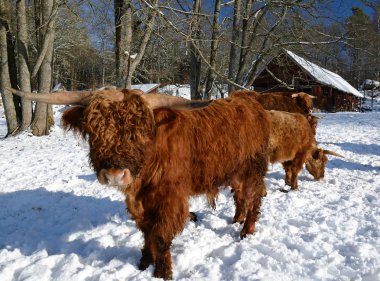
(58, 223)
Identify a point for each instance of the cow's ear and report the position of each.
(164, 116)
(317, 153)
(72, 119)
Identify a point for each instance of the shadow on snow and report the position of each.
(34, 220)
(358, 148)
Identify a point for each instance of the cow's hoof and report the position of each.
(165, 274)
(247, 230)
(193, 217)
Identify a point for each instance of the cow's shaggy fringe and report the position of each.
(117, 131)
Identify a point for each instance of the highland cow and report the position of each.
(159, 156)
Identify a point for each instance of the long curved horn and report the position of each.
(54, 98)
(160, 100)
(71, 97)
(332, 153)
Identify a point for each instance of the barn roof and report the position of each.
(323, 75)
(146, 88)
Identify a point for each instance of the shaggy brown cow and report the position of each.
(290, 102)
(292, 142)
(283, 101)
(160, 156)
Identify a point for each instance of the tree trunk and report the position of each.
(42, 119)
(243, 59)
(214, 47)
(5, 80)
(234, 51)
(195, 60)
(123, 25)
(23, 59)
(133, 63)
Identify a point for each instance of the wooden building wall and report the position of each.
(333, 100)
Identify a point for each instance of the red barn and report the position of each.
(332, 92)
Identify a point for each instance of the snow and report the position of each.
(146, 88)
(369, 84)
(177, 91)
(325, 76)
(58, 223)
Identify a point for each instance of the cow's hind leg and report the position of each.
(253, 194)
(239, 199)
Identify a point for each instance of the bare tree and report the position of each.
(234, 49)
(127, 58)
(43, 113)
(5, 79)
(195, 60)
(258, 31)
(210, 79)
(123, 40)
(23, 61)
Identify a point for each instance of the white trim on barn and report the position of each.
(324, 76)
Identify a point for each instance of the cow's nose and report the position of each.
(115, 177)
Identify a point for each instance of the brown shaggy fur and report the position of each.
(177, 155)
(103, 121)
(291, 142)
(283, 101)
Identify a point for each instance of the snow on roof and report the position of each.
(369, 84)
(324, 76)
(146, 88)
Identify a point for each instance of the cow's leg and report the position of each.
(240, 208)
(169, 218)
(147, 257)
(288, 172)
(296, 167)
(163, 262)
(253, 193)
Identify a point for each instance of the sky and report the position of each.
(342, 8)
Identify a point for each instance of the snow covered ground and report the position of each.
(58, 223)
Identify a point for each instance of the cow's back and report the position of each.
(290, 133)
(208, 147)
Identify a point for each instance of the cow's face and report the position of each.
(304, 101)
(118, 133)
(316, 164)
